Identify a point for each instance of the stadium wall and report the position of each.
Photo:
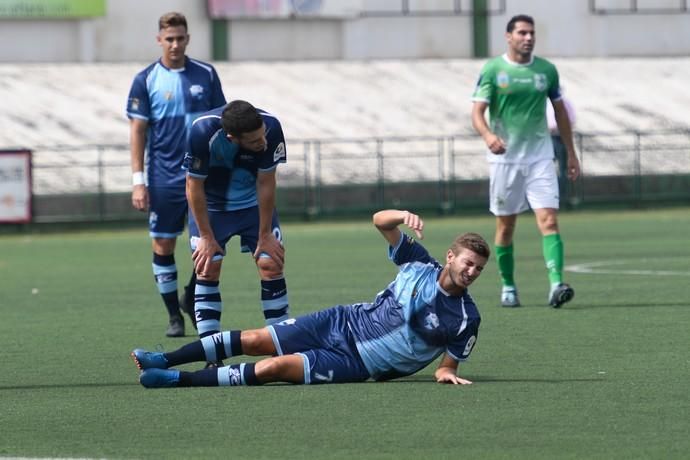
(566, 29)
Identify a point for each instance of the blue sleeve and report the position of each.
(138, 104)
(275, 150)
(217, 96)
(460, 348)
(555, 89)
(408, 250)
(196, 159)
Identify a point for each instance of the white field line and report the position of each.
(596, 268)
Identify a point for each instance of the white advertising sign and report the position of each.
(15, 186)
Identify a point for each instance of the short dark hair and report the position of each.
(518, 18)
(240, 117)
(472, 241)
(172, 19)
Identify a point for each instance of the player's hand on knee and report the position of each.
(206, 250)
(268, 244)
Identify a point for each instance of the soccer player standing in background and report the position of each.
(163, 101)
(515, 87)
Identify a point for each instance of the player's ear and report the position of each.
(449, 256)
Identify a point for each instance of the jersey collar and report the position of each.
(517, 64)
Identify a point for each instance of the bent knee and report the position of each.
(268, 268)
(257, 342)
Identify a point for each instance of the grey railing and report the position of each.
(447, 170)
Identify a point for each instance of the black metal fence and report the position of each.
(341, 176)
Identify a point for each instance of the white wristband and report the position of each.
(138, 178)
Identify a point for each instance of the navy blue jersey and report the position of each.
(169, 100)
(413, 320)
(230, 171)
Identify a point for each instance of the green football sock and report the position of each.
(506, 264)
(553, 256)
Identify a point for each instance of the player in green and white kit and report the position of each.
(515, 87)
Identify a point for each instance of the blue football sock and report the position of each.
(274, 300)
(165, 276)
(207, 307)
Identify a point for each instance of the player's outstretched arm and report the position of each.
(447, 372)
(388, 220)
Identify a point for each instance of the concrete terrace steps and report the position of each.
(80, 105)
(84, 104)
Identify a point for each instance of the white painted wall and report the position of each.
(564, 29)
(126, 33)
(568, 29)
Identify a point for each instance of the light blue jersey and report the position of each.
(413, 320)
(169, 100)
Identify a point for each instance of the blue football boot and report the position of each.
(160, 378)
(149, 359)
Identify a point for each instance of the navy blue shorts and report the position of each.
(226, 224)
(167, 211)
(324, 340)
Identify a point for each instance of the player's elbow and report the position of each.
(378, 219)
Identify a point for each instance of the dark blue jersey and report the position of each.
(169, 100)
(230, 171)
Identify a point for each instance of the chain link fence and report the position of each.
(340, 176)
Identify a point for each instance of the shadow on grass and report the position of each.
(67, 385)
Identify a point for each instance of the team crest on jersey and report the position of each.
(502, 80)
(279, 152)
(196, 91)
(168, 95)
(540, 81)
(134, 104)
(431, 321)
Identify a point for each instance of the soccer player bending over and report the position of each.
(424, 312)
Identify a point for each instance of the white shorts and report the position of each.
(514, 188)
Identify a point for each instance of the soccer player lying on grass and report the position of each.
(425, 311)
